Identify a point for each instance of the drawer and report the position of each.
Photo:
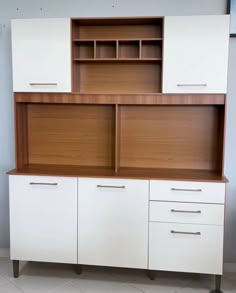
(189, 213)
(112, 187)
(186, 248)
(39, 184)
(187, 191)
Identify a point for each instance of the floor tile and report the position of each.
(5, 267)
(95, 286)
(9, 288)
(164, 282)
(42, 277)
(3, 280)
(68, 288)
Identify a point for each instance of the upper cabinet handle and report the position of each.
(42, 83)
(43, 183)
(185, 189)
(111, 186)
(192, 84)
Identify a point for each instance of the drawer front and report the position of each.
(189, 213)
(113, 222)
(187, 191)
(111, 187)
(186, 248)
(43, 218)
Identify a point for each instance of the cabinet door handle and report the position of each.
(42, 83)
(43, 183)
(183, 211)
(192, 84)
(186, 189)
(185, 233)
(111, 186)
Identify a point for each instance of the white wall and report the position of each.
(76, 8)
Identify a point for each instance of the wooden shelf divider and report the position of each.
(117, 140)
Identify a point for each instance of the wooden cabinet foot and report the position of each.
(15, 264)
(78, 269)
(151, 275)
(217, 285)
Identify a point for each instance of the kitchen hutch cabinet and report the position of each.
(119, 127)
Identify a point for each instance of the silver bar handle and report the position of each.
(185, 233)
(111, 186)
(192, 84)
(43, 183)
(184, 211)
(42, 83)
(186, 189)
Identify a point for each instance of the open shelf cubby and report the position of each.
(112, 77)
(66, 135)
(129, 49)
(106, 49)
(117, 28)
(172, 137)
(83, 50)
(151, 49)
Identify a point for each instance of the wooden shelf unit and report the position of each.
(171, 141)
(115, 43)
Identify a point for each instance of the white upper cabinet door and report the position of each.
(113, 222)
(41, 54)
(196, 54)
(43, 218)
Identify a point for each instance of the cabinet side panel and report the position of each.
(21, 135)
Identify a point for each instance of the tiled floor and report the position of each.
(56, 278)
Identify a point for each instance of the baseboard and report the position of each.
(230, 267)
(5, 252)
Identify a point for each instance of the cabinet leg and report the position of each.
(78, 269)
(15, 264)
(217, 285)
(151, 275)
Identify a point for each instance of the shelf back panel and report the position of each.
(82, 135)
(114, 77)
(181, 137)
(117, 31)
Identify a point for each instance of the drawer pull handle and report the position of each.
(185, 233)
(183, 211)
(111, 186)
(43, 183)
(43, 83)
(191, 84)
(184, 189)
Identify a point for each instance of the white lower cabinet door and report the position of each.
(186, 248)
(43, 218)
(113, 222)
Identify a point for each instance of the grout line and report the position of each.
(60, 286)
(131, 285)
(14, 285)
